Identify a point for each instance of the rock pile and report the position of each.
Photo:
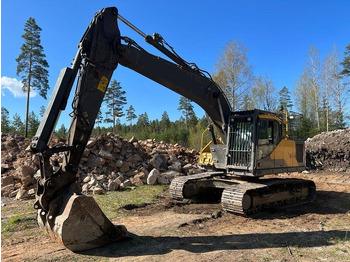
(329, 151)
(109, 163)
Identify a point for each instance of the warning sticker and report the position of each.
(102, 85)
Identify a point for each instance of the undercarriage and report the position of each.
(242, 196)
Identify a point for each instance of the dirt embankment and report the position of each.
(329, 151)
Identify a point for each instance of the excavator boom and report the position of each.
(71, 218)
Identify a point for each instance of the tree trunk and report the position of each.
(28, 95)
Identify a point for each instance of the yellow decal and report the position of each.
(102, 85)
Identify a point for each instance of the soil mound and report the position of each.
(329, 151)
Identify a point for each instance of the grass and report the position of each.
(17, 217)
(112, 201)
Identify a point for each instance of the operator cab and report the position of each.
(257, 146)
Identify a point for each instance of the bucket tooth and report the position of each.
(77, 222)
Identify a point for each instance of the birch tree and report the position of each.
(233, 72)
(313, 75)
(264, 93)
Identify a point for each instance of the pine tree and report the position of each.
(346, 62)
(17, 125)
(42, 111)
(31, 64)
(99, 120)
(143, 120)
(61, 132)
(285, 99)
(5, 121)
(115, 99)
(33, 124)
(130, 114)
(187, 110)
(165, 121)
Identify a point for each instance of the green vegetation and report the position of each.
(112, 201)
(32, 66)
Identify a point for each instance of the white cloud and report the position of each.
(14, 86)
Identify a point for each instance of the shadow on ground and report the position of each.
(136, 245)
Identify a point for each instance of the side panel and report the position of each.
(288, 156)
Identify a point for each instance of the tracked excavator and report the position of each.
(244, 145)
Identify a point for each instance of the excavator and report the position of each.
(244, 146)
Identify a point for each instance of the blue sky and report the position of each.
(277, 34)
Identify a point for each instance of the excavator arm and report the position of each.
(71, 218)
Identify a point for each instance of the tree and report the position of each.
(284, 98)
(115, 99)
(187, 110)
(264, 93)
(143, 120)
(33, 124)
(130, 114)
(31, 64)
(61, 132)
(17, 125)
(233, 72)
(5, 121)
(334, 90)
(346, 62)
(303, 103)
(99, 120)
(313, 74)
(42, 111)
(165, 121)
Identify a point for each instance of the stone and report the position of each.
(117, 181)
(87, 179)
(97, 190)
(91, 142)
(133, 139)
(26, 180)
(158, 162)
(187, 167)
(153, 176)
(7, 180)
(86, 152)
(127, 183)
(7, 189)
(163, 180)
(109, 146)
(124, 167)
(22, 194)
(25, 171)
(170, 175)
(85, 188)
(96, 161)
(176, 166)
(31, 192)
(105, 154)
(137, 181)
(112, 186)
(13, 193)
(4, 167)
(37, 175)
(119, 163)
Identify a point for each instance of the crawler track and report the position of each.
(177, 187)
(248, 197)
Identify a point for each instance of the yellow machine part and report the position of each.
(205, 156)
(284, 155)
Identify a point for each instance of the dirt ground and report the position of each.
(168, 230)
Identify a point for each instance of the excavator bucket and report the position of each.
(77, 222)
